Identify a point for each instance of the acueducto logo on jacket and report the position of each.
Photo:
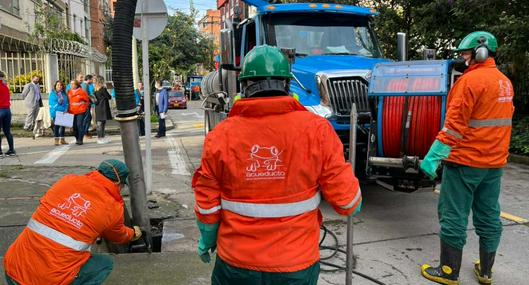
(265, 163)
(71, 209)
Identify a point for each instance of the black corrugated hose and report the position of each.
(335, 250)
(122, 57)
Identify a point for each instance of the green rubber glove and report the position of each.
(207, 241)
(438, 152)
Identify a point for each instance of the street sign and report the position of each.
(155, 16)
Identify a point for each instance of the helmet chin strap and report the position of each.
(266, 86)
(115, 172)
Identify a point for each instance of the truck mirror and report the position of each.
(227, 48)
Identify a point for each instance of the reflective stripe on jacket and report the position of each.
(264, 171)
(478, 117)
(56, 242)
(78, 101)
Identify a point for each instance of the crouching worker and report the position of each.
(54, 248)
(263, 174)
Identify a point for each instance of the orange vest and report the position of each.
(478, 117)
(264, 171)
(56, 243)
(78, 101)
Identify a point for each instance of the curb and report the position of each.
(516, 158)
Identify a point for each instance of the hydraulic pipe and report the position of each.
(127, 110)
(349, 262)
(404, 162)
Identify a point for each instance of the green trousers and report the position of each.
(225, 274)
(462, 189)
(93, 272)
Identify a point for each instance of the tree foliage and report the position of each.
(180, 48)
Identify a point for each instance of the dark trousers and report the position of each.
(5, 124)
(58, 131)
(467, 188)
(94, 272)
(161, 128)
(78, 127)
(225, 274)
(87, 120)
(101, 129)
(141, 126)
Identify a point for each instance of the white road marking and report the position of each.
(53, 155)
(195, 114)
(176, 156)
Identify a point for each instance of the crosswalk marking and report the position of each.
(53, 155)
(176, 157)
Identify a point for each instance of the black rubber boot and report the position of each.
(448, 270)
(483, 267)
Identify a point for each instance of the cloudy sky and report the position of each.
(183, 5)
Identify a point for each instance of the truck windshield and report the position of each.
(321, 34)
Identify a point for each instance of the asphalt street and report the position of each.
(394, 234)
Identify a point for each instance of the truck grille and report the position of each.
(343, 92)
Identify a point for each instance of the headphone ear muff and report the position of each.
(481, 52)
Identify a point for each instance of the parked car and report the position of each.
(177, 100)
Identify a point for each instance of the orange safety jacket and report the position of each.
(478, 117)
(56, 242)
(78, 101)
(264, 171)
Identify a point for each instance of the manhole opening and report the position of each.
(156, 234)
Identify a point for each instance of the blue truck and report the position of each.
(337, 62)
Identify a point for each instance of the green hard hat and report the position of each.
(114, 170)
(265, 62)
(474, 39)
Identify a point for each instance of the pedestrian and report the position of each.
(102, 109)
(5, 116)
(88, 87)
(54, 248)
(140, 101)
(162, 106)
(58, 101)
(79, 77)
(474, 143)
(32, 101)
(79, 102)
(263, 173)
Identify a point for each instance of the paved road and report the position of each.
(394, 234)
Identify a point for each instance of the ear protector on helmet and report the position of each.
(481, 52)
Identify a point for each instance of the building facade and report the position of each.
(230, 9)
(209, 25)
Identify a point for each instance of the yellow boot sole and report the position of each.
(437, 279)
(481, 280)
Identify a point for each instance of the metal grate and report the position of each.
(343, 92)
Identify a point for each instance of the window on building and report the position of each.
(81, 28)
(11, 6)
(86, 27)
(86, 5)
(75, 23)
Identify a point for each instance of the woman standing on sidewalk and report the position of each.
(79, 103)
(58, 103)
(103, 113)
(5, 116)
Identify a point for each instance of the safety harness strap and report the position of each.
(490, 123)
(57, 236)
(272, 210)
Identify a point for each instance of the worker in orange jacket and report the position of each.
(474, 143)
(54, 248)
(79, 103)
(263, 174)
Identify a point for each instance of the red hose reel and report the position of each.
(424, 124)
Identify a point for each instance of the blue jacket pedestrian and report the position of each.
(163, 102)
(58, 102)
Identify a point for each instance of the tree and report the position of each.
(180, 48)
